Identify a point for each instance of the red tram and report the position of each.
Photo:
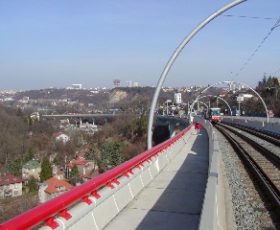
(214, 115)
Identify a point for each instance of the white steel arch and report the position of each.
(204, 104)
(240, 83)
(174, 56)
(220, 99)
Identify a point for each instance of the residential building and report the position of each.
(30, 169)
(35, 116)
(24, 100)
(52, 188)
(77, 86)
(58, 172)
(64, 123)
(85, 167)
(8, 99)
(133, 84)
(177, 98)
(87, 127)
(246, 95)
(61, 137)
(10, 186)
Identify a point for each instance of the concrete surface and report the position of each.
(173, 200)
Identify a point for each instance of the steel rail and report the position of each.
(274, 159)
(268, 138)
(267, 186)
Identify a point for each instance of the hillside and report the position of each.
(122, 97)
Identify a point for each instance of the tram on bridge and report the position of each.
(214, 115)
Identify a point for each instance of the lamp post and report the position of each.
(167, 110)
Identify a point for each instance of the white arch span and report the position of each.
(174, 56)
(240, 83)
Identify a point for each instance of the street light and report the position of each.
(167, 101)
(239, 100)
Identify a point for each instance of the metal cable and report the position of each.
(249, 17)
(275, 25)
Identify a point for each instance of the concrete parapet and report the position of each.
(97, 212)
(213, 210)
(256, 122)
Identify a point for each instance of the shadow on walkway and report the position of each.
(180, 202)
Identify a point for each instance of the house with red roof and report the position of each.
(84, 166)
(52, 188)
(61, 137)
(10, 186)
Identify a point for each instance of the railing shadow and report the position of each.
(179, 205)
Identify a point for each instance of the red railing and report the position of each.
(46, 212)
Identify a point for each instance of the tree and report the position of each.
(29, 155)
(46, 170)
(74, 176)
(74, 172)
(94, 155)
(142, 124)
(12, 135)
(269, 89)
(89, 155)
(32, 185)
(14, 167)
(19, 113)
(111, 153)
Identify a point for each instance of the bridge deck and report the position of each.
(173, 200)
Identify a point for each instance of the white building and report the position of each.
(177, 98)
(24, 100)
(30, 169)
(8, 99)
(246, 95)
(87, 127)
(61, 137)
(52, 188)
(10, 186)
(77, 86)
(133, 84)
(35, 116)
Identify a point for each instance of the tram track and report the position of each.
(262, 166)
(271, 138)
(271, 156)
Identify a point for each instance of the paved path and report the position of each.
(173, 200)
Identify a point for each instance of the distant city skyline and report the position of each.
(58, 43)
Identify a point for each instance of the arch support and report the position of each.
(174, 57)
(220, 99)
(230, 82)
(263, 102)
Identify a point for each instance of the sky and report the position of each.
(54, 43)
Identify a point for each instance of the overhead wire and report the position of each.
(250, 17)
(248, 60)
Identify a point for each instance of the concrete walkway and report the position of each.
(173, 200)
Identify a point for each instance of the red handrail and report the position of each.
(59, 204)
